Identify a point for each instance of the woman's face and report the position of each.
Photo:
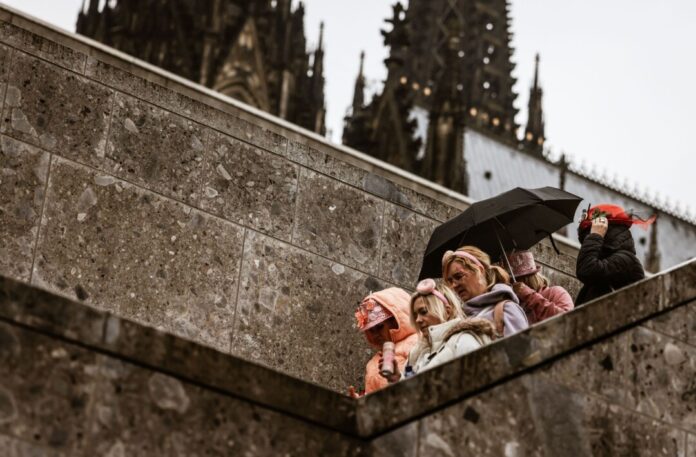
(423, 317)
(381, 332)
(465, 282)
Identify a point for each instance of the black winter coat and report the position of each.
(606, 263)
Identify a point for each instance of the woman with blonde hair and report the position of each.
(444, 332)
(484, 289)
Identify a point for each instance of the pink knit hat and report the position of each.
(522, 264)
(371, 313)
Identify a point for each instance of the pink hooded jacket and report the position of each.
(546, 303)
(397, 301)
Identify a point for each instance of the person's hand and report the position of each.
(396, 374)
(352, 393)
(600, 226)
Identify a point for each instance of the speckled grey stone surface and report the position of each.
(247, 185)
(55, 109)
(528, 417)
(326, 163)
(154, 148)
(42, 46)
(338, 221)
(664, 370)
(5, 56)
(558, 278)
(61, 318)
(12, 447)
(67, 400)
(23, 176)
(135, 253)
(44, 390)
(547, 256)
(562, 409)
(296, 310)
(405, 235)
(680, 324)
(691, 445)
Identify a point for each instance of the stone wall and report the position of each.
(144, 195)
(613, 378)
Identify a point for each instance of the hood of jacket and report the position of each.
(398, 302)
(498, 293)
(617, 238)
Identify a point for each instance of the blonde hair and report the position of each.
(493, 274)
(537, 281)
(435, 306)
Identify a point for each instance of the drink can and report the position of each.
(387, 368)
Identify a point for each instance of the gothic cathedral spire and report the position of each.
(252, 50)
(452, 61)
(534, 133)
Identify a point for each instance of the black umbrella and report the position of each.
(516, 219)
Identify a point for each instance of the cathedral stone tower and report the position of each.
(534, 133)
(252, 50)
(449, 69)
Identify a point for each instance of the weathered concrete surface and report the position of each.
(598, 381)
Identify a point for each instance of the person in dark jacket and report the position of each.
(607, 259)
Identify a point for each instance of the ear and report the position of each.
(449, 309)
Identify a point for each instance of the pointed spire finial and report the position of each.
(536, 71)
(321, 35)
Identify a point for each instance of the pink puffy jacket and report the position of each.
(546, 303)
(397, 301)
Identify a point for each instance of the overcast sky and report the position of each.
(618, 76)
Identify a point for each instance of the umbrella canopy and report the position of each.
(516, 219)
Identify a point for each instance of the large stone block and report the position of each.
(58, 110)
(45, 390)
(558, 278)
(138, 412)
(679, 323)
(531, 417)
(132, 80)
(42, 46)
(664, 370)
(247, 185)
(405, 235)
(402, 442)
(12, 447)
(604, 369)
(295, 310)
(153, 147)
(547, 255)
(338, 221)
(126, 250)
(349, 173)
(23, 176)
(495, 423)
